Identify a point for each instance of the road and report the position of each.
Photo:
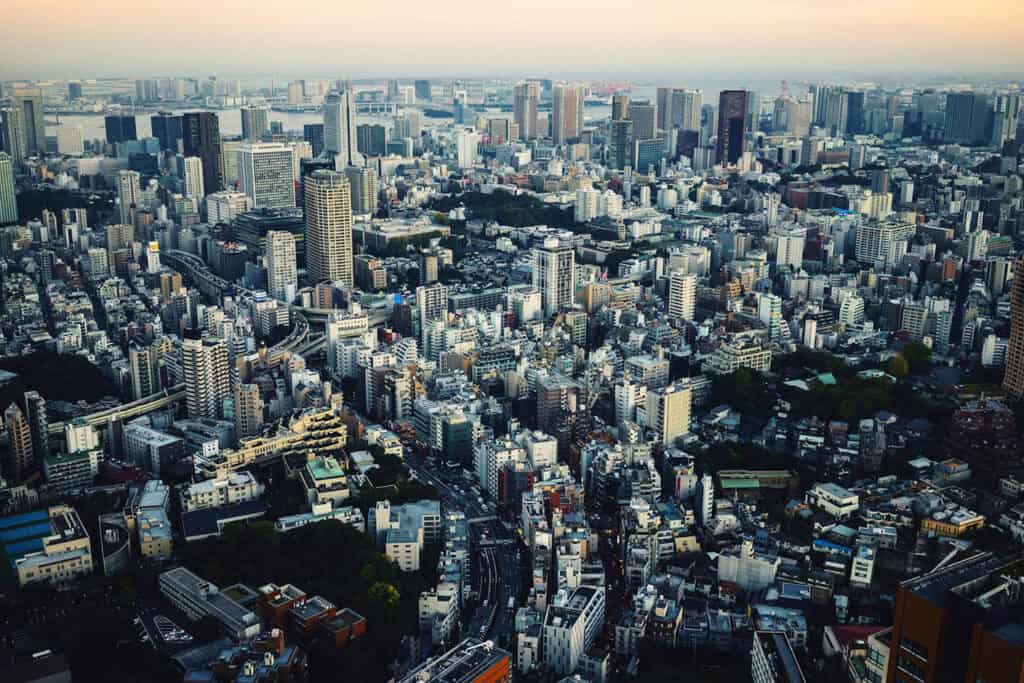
(496, 553)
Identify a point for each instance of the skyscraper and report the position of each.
(566, 113)
(313, 133)
(255, 122)
(194, 178)
(205, 365)
(8, 201)
(732, 117)
(422, 89)
(267, 174)
(620, 107)
(12, 134)
(1013, 379)
(340, 136)
(1005, 115)
(685, 111)
(128, 189)
(431, 304)
(119, 128)
(282, 279)
(466, 144)
(644, 116)
(527, 95)
(30, 102)
(201, 138)
(21, 457)
(371, 139)
(363, 189)
(144, 358)
(554, 274)
(328, 202)
(968, 118)
(620, 144)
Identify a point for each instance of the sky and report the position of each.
(614, 39)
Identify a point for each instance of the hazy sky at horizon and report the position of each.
(570, 39)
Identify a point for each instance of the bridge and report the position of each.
(144, 405)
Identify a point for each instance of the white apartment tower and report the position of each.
(328, 228)
(282, 276)
(554, 274)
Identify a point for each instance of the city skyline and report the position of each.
(568, 41)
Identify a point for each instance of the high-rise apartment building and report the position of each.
(1013, 379)
(12, 134)
(566, 113)
(282, 277)
(201, 138)
(685, 109)
(431, 304)
(527, 96)
(193, 167)
(255, 122)
(8, 201)
(732, 117)
(554, 274)
(128, 189)
(682, 295)
(144, 359)
(204, 362)
(328, 203)
(467, 142)
(248, 411)
(266, 172)
(21, 457)
(668, 411)
(363, 185)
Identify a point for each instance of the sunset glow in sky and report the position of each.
(598, 38)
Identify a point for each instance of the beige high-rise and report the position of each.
(328, 228)
(1013, 380)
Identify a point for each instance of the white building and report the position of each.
(682, 295)
(266, 173)
(571, 623)
(467, 141)
(833, 499)
(193, 172)
(554, 274)
(236, 487)
(222, 207)
(282, 274)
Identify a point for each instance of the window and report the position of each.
(910, 668)
(915, 648)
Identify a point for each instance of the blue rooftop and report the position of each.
(23, 519)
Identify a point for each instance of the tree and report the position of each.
(384, 595)
(897, 366)
(918, 356)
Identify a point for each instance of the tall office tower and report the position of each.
(644, 116)
(70, 141)
(128, 189)
(194, 178)
(968, 116)
(12, 134)
(998, 271)
(668, 411)
(120, 128)
(527, 96)
(686, 105)
(363, 189)
(255, 122)
(732, 117)
(422, 88)
(431, 304)
(229, 163)
(144, 359)
(74, 91)
(682, 295)
(313, 133)
(29, 101)
(620, 144)
(248, 411)
(204, 362)
(21, 456)
(200, 137)
(8, 200)
(371, 139)
(118, 236)
(664, 105)
(38, 423)
(566, 113)
(267, 174)
(392, 90)
(554, 274)
(467, 142)
(620, 107)
(222, 207)
(1013, 379)
(340, 136)
(282, 277)
(328, 201)
(854, 112)
(1005, 115)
